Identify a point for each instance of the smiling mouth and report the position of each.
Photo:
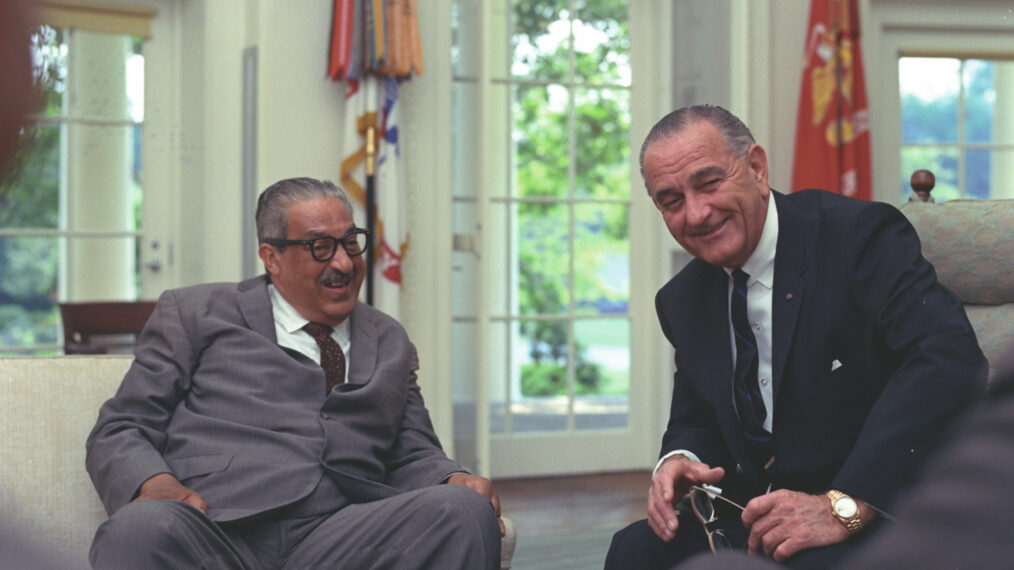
(708, 231)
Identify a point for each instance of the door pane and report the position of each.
(49, 50)
(28, 288)
(603, 373)
(540, 358)
(544, 258)
(601, 258)
(540, 39)
(602, 41)
(31, 198)
(602, 154)
(541, 141)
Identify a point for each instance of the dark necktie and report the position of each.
(332, 359)
(749, 401)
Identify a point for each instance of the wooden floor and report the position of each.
(566, 504)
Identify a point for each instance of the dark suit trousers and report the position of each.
(444, 526)
(637, 546)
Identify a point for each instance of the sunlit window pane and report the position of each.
(602, 41)
(980, 100)
(541, 40)
(540, 141)
(541, 357)
(49, 55)
(929, 108)
(544, 258)
(603, 371)
(31, 199)
(601, 258)
(28, 287)
(602, 158)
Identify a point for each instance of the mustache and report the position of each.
(335, 275)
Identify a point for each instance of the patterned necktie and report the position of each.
(749, 401)
(332, 359)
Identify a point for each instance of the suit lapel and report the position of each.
(364, 349)
(796, 239)
(255, 306)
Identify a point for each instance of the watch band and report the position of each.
(853, 523)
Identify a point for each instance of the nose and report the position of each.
(341, 260)
(697, 207)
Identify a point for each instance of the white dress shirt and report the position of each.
(760, 266)
(289, 330)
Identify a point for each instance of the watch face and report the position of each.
(845, 507)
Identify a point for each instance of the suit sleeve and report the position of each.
(125, 447)
(922, 330)
(416, 459)
(692, 423)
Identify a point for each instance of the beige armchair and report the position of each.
(971, 245)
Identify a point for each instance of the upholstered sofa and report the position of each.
(47, 407)
(971, 245)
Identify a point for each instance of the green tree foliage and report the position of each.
(548, 119)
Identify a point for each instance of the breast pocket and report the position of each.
(187, 468)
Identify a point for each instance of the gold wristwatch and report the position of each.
(845, 509)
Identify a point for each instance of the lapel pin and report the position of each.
(788, 296)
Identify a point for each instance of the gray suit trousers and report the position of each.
(444, 526)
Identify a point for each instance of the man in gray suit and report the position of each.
(223, 448)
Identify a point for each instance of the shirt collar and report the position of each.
(760, 266)
(291, 321)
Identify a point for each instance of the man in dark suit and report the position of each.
(227, 446)
(960, 512)
(817, 357)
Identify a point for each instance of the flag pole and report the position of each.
(371, 198)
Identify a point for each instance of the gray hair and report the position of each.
(273, 205)
(737, 135)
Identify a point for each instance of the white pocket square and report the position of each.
(835, 364)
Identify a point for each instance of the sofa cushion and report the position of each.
(48, 406)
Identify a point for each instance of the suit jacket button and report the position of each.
(325, 416)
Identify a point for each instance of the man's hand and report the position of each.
(484, 487)
(670, 482)
(166, 487)
(784, 522)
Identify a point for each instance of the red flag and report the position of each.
(832, 128)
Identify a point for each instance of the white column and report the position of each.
(98, 180)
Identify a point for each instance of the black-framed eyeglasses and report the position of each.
(701, 501)
(323, 248)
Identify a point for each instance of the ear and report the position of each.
(757, 158)
(269, 255)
